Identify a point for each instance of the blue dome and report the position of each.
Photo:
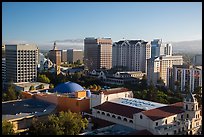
(68, 87)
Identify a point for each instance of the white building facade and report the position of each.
(131, 54)
(157, 67)
(185, 76)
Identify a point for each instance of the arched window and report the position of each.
(140, 116)
(119, 117)
(186, 107)
(131, 121)
(98, 112)
(166, 121)
(125, 119)
(103, 113)
(181, 116)
(113, 116)
(108, 114)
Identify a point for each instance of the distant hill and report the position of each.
(194, 46)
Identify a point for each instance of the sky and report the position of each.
(69, 23)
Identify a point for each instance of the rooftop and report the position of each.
(123, 110)
(27, 107)
(166, 111)
(28, 84)
(114, 90)
(111, 130)
(138, 103)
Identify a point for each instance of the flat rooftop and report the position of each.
(28, 84)
(111, 130)
(27, 107)
(138, 103)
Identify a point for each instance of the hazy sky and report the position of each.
(44, 22)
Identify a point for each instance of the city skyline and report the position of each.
(71, 22)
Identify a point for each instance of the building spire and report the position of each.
(55, 48)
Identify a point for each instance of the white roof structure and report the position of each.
(138, 103)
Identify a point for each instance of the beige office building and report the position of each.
(21, 62)
(73, 55)
(64, 55)
(98, 53)
(157, 67)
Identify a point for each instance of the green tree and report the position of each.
(37, 127)
(4, 97)
(7, 128)
(11, 93)
(65, 123)
(43, 78)
(51, 86)
(32, 88)
(41, 86)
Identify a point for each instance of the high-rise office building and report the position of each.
(74, 55)
(197, 60)
(98, 53)
(157, 67)
(64, 55)
(21, 62)
(180, 77)
(157, 48)
(131, 54)
(168, 49)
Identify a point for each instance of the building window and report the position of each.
(113, 116)
(156, 123)
(125, 119)
(140, 116)
(182, 128)
(174, 118)
(181, 116)
(119, 117)
(131, 121)
(108, 114)
(174, 132)
(186, 107)
(166, 121)
(103, 113)
(187, 116)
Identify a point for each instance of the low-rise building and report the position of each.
(159, 119)
(21, 112)
(25, 86)
(118, 78)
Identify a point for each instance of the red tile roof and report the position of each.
(140, 132)
(118, 109)
(113, 91)
(163, 112)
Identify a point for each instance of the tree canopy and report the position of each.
(7, 128)
(66, 123)
(43, 78)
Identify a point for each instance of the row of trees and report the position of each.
(65, 123)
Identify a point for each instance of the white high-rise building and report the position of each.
(131, 54)
(184, 76)
(168, 49)
(157, 67)
(21, 63)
